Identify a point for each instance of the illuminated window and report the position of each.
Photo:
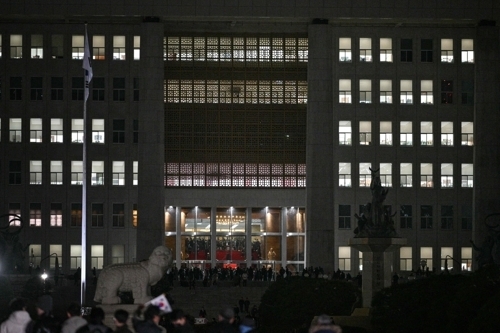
(345, 133)
(345, 174)
(118, 173)
(98, 48)
(56, 173)
(77, 47)
(36, 46)
(16, 46)
(447, 50)
(56, 215)
(97, 175)
(365, 133)
(345, 91)
(15, 209)
(446, 175)
(385, 50)
(467, 136)
(426, 175)
(344, 258)
(406, 175)
(35, 172)
(75, 253)
(76, 172)
(466, 258)
(467, 50)
(98, 130)
(345, 54)
(97, 256)
(57, 250)
(135, 173)
(406, 93)
(56, 130)
(77, 130)
(365, 177)
(386, 91)
(426, 92)
(365, 49)
(137, 47)
(117, 254)
(118, 47)
(447, 133)
(36, 130)
(426, 136)
(426, 258)
(405, 258)
(15, 129)
(35, 214)
(467, 175)
(386, 174)
(386, 133)
(365, 91)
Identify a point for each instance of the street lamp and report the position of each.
(44, 277)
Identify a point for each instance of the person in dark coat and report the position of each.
(324, 324)
(181, 322)
(150, 322)
(225, 323)
(120, 318)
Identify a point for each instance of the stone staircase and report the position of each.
(214, 298)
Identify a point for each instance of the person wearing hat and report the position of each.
(324, 324)
(225, 323)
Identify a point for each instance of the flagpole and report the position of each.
(87, 67)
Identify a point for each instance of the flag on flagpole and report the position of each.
(87, 66)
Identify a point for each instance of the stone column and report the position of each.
(377, 263)
(151, 146)
(320, 250)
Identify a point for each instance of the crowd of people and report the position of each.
(37, 317)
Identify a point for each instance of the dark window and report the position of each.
(14, 172)
(118, 130)
(16, 88)
(406, 50)
(98, 89)
(406, 217)
(56, 88)
(466, 217)
(446, 217)
(36, 89)
(0, 88)
(119, 89)
(467, 92)
(97, 215)
(446, 91)
(136, 130)
(426, 50)
(344, 217)
(119, 215)
(136, 89)
(77, 88)
(426, 217)
(76, 214)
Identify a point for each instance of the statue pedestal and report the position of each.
(377, 263)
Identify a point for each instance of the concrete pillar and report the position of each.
(151, 193)
(319, 150)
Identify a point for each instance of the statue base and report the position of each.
(377, 263)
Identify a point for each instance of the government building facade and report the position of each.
(242, 133)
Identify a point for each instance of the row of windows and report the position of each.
(98, 173)
(405, 46)
(235, 175)
(39, 46)
(406, 175)
(56, 216)
(406, 135)
(37, 91)
(406, 92)
(236, 49)
(426, 259)
(97, 255)
(406, 217)
(57, 133)
(236, 91)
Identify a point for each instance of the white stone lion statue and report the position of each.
(134, 277)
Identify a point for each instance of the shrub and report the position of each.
(291, 303)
